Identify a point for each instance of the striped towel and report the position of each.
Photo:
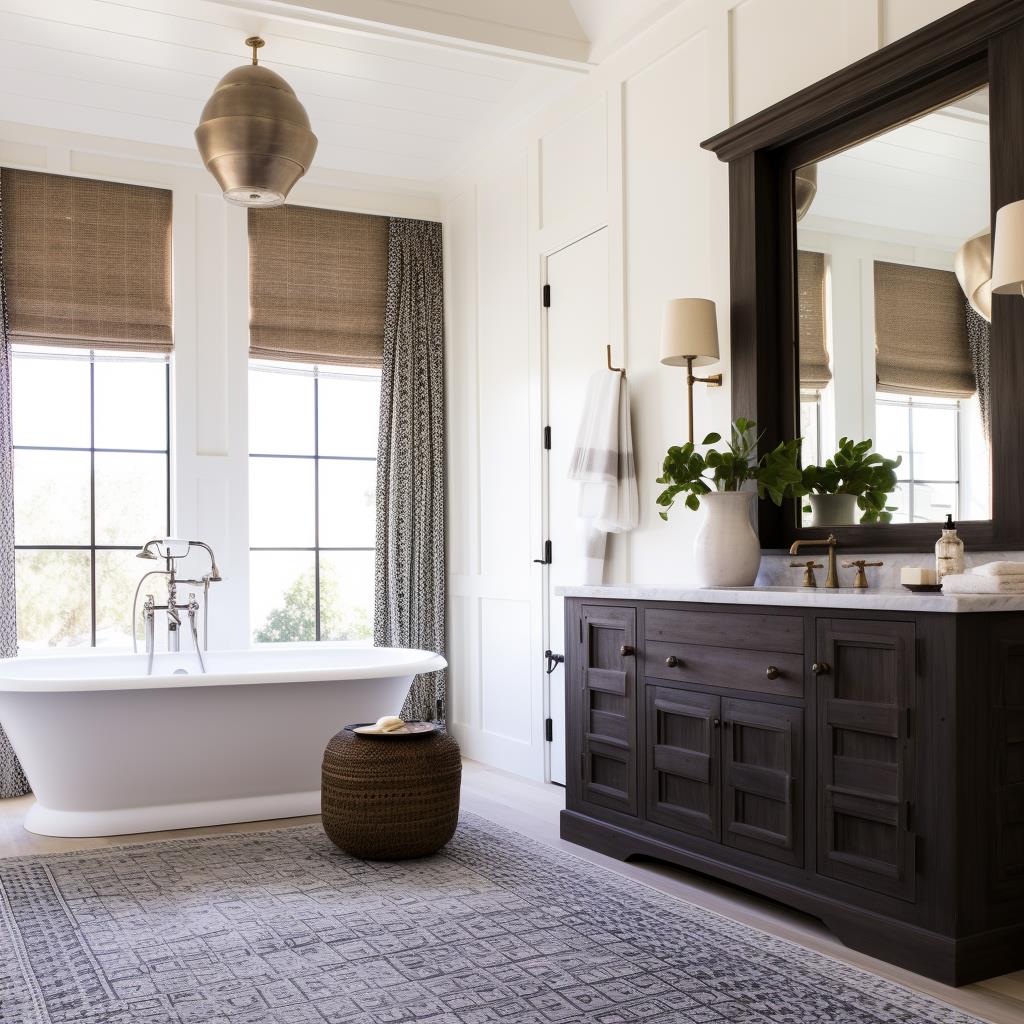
(602, 462)
(976, 583)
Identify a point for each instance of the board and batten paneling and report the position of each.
(495, 611)
(621, 150)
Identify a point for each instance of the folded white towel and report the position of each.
(969, 583)
(999, 569)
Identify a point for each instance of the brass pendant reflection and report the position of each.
(254, 135)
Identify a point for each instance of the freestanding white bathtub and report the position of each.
(109, 750)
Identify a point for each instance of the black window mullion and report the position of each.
(92, 502)
(316, 504)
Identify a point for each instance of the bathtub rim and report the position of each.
(415, 663)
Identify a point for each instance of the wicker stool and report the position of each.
(390, 797)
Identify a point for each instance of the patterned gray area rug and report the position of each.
(280, 927)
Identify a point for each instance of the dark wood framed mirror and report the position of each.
(970, 61)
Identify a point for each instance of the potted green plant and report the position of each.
(854, 478)
(727, 552)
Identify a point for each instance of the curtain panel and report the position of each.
(409, 606)
(88, 262)
(12, 778)
(317, 285)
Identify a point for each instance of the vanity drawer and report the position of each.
(748, 631)
(775, 672)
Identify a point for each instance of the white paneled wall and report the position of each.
(209, 446)
(624, 152)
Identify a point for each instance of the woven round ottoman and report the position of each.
(390, 797)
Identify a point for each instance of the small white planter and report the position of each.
(726, 551)
(834, 510)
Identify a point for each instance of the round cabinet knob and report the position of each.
(627, 650)
(772, 672)
(672, 661)
(821, 668)
(717, 722)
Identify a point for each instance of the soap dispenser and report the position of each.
(949, 551)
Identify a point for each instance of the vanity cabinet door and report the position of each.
(762, 784)
(866, 681)
(683, 768)
(607, 708)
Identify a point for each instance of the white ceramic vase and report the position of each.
(726, 551)
(834, 509)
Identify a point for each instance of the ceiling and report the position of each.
(394, 88)
(925, 182)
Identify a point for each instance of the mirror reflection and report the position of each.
(894, 255)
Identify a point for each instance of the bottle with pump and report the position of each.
(949, 551)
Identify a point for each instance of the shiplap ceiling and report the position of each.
(926, 182)
(394, 88)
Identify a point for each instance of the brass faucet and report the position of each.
(832, 579)
(808, 568)
(861, 582)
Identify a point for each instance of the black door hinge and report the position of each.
(547, 439)
(546, 295)
(549, 730)
(546, 560)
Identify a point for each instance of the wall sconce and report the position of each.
(1008, 252)
(689, 337)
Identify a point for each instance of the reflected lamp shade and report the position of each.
(254, 135)
(689, 330)
(1008, 252)
(973, 266)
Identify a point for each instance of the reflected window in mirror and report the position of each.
(892, 263)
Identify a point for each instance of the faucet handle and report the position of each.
(808, 568)
(860, 581)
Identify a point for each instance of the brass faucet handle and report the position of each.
(861, 580)
(808, 568)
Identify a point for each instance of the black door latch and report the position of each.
(554, 660)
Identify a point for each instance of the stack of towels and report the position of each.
(990, 578)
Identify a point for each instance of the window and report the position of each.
(91, 486)
(312, 501)
(926, 432)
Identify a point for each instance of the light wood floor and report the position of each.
(531, 808)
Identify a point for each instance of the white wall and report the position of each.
(622, 151)
(211, 332)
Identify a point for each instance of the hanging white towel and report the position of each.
(602, 462)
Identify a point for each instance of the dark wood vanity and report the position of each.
(863, 766)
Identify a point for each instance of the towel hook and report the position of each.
(614, 369)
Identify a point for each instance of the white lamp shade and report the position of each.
(689, 329)
(1008, 252)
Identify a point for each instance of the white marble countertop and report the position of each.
(798, 597)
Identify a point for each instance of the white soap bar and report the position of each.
(917, 577)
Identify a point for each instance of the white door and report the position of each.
(577, 333)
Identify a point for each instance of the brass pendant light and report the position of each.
(254, 135)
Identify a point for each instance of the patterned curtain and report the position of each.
(12, 778)
(409, 606)
(979, 332)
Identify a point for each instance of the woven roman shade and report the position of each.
(317, 285)
(921, 343)
(87, 264)
(815, 371)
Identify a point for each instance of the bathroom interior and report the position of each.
(511, 510)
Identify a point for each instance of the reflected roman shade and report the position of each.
(317, 285)
(87, 264)
(921, 345)
(815, 371)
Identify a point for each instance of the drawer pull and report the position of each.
(821, 668)
(672, 661)
(772, 672)
(717, 722)
(627, 650)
